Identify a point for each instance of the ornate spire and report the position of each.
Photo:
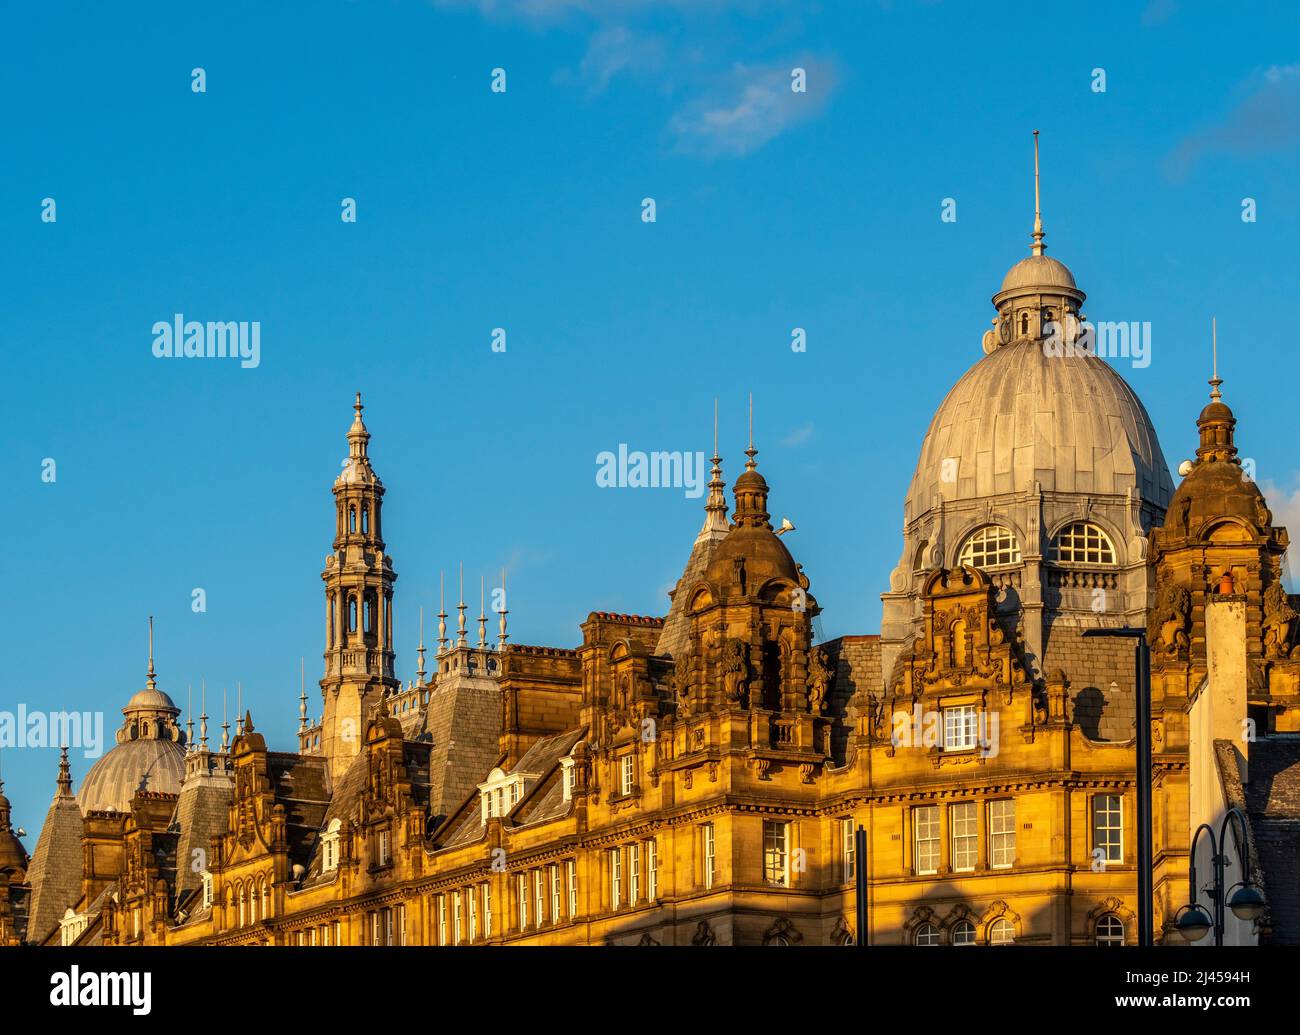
(1038, 235)
(65, 774)
(501, 638)
(189, 719)
(203, 715)
(750, 490)
(358, 436)
(482, 613)
(460, 609)
(150, 679)
(302, 695)
(419, 652)
(715, 510)
(225, 723)
(239, 707)
(442, 613)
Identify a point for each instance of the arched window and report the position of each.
(370, 616)
(243, 906)
(1001, 932)
(963, 933)
(1083, 543)
(352, 519)
(926, 934)
(1110, 930)
(990, 546)
(1024, 323)
(365, 520)
(352, 614)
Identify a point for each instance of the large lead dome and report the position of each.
(1019, 417)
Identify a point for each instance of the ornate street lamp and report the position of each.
(1243, 898)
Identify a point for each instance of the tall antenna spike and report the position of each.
(751, 452)
(501, 638)
(150, 681)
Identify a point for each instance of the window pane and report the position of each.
(964, 823)
(1002, 833)
(925, 821)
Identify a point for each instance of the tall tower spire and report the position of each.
(189, 719)
(715, 510)
(751, 452)
(358, 577)
(1038, 235)
(203, 714)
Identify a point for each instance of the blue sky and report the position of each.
(522, 210)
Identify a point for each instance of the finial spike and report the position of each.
(501, 638)
(151, 681)
(1215, 379)
(751, 452)
(1038, 234)
(442, 612)
(302, 696)
(65, 774)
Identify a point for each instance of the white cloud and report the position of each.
(1285, 505)
(755, 106)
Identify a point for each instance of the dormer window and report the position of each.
(330, 847)
(501, 792)
(569, 776)
(1083, 543)
(382, 849)
(627, 774)
(990, 546)
(207, 890)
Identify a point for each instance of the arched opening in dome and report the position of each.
(989, 547)
(1082, 542)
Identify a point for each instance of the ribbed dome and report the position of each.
(1018, 416)
(151, 765)
(1039, 271)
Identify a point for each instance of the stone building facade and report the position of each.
(695, 778)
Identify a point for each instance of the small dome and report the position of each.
(1039, 271)
(152, 701)
(157, 766)
(765, 557)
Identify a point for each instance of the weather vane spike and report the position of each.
(751, 452)
(1215, 380)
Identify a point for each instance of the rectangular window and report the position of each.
(615, 878)
(487, 910)
(963, 824)
(776, 852)
(338, 932)
(455, 918)
(960, 728)
(521, 890)
(570, 779)
(925, 839)
(651, 870)
(375, 929)
(401, 924)
(388, 927)
(539, 900)
(709, 854)
(571, 867)
(1108, 827)
(325, 935)
(556, 897)
(628, 774)
(472, 902)
(442, 919)
(633, 873)
(848, 845)
(382, 854)
(1002, 833)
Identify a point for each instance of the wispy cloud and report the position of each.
(1266, 119)
(754, 106)
(798, 436)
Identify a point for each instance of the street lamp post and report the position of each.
(1246, 903)
(1142, 689)
(860, 858)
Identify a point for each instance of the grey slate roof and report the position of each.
(55, 871)
(1272, 800)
